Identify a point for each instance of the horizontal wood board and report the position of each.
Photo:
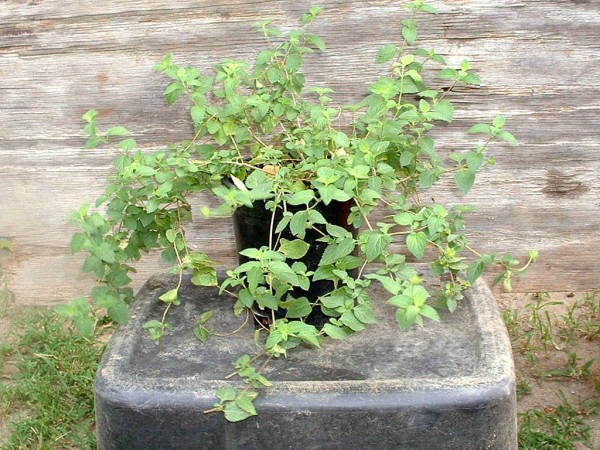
(539, 60)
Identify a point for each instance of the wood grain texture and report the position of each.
(538, 59)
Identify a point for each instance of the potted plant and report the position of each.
(335, 190)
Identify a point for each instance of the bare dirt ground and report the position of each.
(556, 349)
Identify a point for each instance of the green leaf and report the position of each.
(474, 161)
(293, 62)
(246, 404)
(416, 244)
(312, 13)
(127, 144)
(116, 131)
(429, 312)
(424, 106)
(499, 121)
(92, 142)
(151, 324)
(226, 394)
(206, 276)
(404, 218)
(444, 110)
(173, 91)
(310, 337)
(90, 115)
(411, 313)
(105, 252)
(344, 248)
(202, 333)
(295, 249)
(78, 243)
(385, 53)
(317, 41)
(428, 93)
(427, 178)
(85, 325)
(364, 313)
(205, 316)
(335, 251)
(464, 180)
(93, 264)
(118, 312)
(415, 76)
(385, 87)
(350, 320)
(324, 273)
(337, 299)
(389, 284)
(7, 244)
(409, 31)
(268, 301)
(400, 301)
(252, 253)
(479, 128)
(170, 296)
(298, 224)
(335, 332)
(427, 8)
(255, 278)
(337, 231)
(470, 78)
(145, 171)
(340, 139)
(407, 60)
(79, 311)
(474, 271)
(448, 74)
(303, 197)
(297, 308)
(283, 272)
(507, 137)
(376, 244)
(197, 113)
(171, 235)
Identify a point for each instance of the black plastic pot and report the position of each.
(251, 229)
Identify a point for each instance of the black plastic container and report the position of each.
(251, 229)
(449, 385)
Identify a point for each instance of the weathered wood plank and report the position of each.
(538, 60)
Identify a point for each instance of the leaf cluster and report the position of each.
(263, 139)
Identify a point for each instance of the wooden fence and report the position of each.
(539, 61)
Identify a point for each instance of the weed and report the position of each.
(52, 388)
(6, 295)
(559, 427)
(590, 320)
(541, 320)
(583, 318)
(573, 368)
(5, 351)
(530, 357)
(512, 323)
(523, 387)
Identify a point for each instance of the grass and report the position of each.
(49, 401)
(6, 295)
(559, 427)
